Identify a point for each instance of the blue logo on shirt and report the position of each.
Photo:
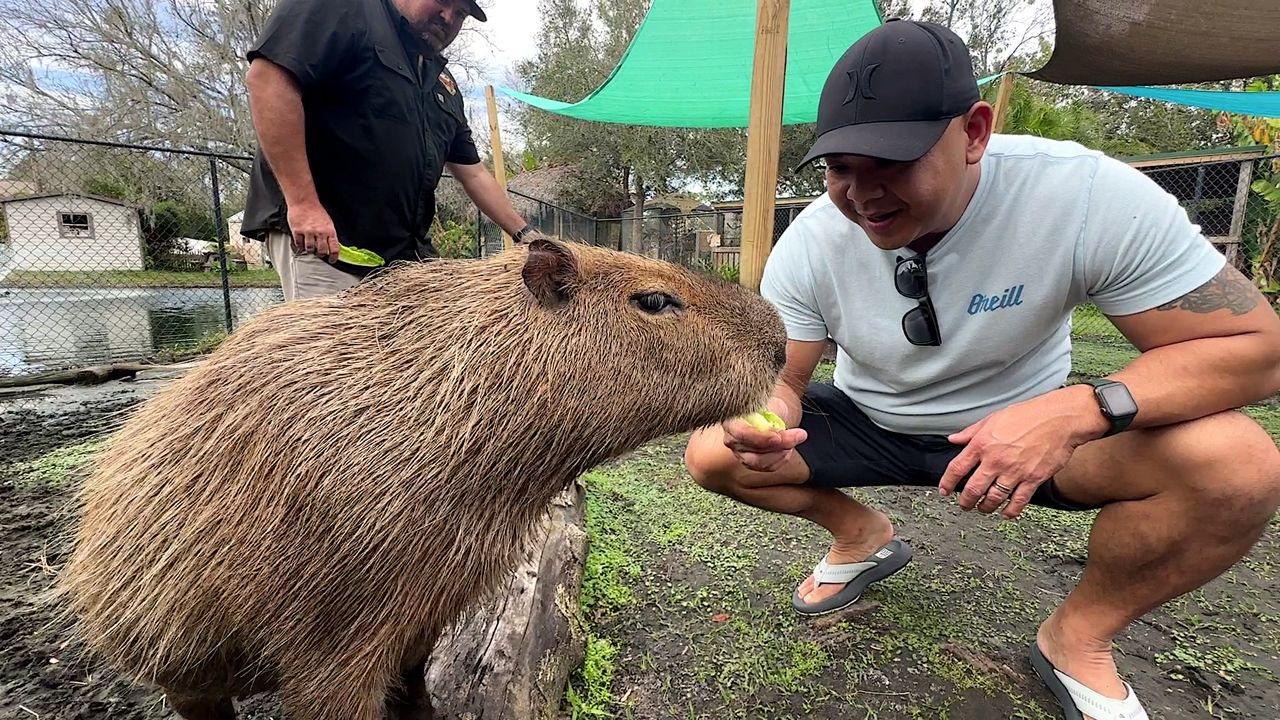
(983, 303)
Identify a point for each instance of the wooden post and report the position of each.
(495, 140)
(764, 134)
(1003, 95)
(1236, 234)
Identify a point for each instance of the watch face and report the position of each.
(1118, 401)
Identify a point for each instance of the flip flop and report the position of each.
(889, 559)
(1077, 700)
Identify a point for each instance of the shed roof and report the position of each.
(85, 196)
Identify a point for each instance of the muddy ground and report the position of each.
(687, 600)
(45, 438)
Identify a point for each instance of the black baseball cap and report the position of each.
(893, 93)
(476, 11)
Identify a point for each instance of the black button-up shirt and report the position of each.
(382, 116)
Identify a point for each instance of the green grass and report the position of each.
(178, 352)
(54, 469)
(1087, 322)
(677, 564)
(590, 695)
(263, 278)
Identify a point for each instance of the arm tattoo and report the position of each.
(1228, 289)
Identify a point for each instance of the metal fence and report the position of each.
(114, 252)
(549, 218)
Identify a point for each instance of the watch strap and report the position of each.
(1119, 423)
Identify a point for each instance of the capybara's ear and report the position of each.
(550, 272)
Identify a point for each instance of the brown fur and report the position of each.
(307, 509)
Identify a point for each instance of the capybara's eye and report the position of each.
(655, 302)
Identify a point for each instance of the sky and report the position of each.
(511, 36)
(512, 30)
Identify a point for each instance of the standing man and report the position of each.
(357, 117)
(945, 263)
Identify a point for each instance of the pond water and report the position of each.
(48, 329)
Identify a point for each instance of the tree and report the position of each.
(578, 45)
(1262, 230)
(144, 71)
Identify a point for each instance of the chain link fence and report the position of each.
(112, 252)
(549, 219)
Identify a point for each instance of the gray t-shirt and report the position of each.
(1051, 225)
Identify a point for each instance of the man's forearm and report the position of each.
(1193, 379)
(802, 360)
(275, 102)
(1196, 378)
(489, 196)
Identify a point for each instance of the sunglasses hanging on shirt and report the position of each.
(920, 324)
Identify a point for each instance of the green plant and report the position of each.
(57, 468)
(1264, 258)
(1265, 264)
(453, 239)
(596, 679)
(725, 272)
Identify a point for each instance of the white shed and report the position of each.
(238, 245)
(72, 232)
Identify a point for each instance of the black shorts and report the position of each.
(846, 449)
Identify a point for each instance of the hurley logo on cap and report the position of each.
(864, 85)
(923, 78)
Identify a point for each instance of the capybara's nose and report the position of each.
(780, 356)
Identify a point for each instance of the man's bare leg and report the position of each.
(1185, 503)
(857, 531)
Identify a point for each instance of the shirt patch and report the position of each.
(447, 80)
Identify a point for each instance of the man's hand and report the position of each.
(1015, 450)
(528, 234)
(313, 230)
(764, 451)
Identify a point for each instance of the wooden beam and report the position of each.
(764, 134)
(1195, 159)
(495, 140)
(1003, 96)
(1237, 213)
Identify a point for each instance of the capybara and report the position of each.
(312, 504)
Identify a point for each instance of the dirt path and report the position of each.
(689, 600)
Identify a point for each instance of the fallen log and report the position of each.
(78, 376)
(510, 658)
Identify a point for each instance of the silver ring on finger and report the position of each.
(1001, 488)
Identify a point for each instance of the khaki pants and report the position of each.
(303, 275)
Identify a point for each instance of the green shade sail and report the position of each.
(689, 64)
(1257, 104)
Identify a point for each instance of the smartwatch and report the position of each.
(519, 236)
(1116, 403)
